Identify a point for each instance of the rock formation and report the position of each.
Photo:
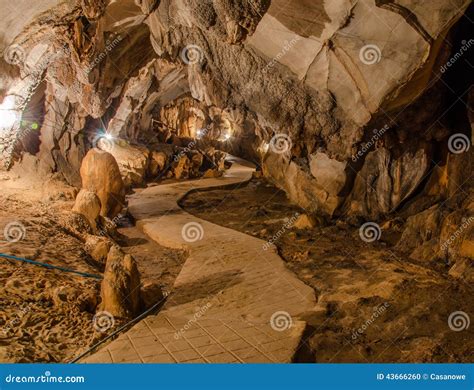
(120, 291)
(101, 175)
(344, 105)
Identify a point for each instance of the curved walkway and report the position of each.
(232, 302)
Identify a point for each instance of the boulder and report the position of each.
(158, 163)
(98, 248)
(100, 174)
(75, 224)
(304, 221)
(132, 160)
(151, 293)
(120, 289)
(182, 167)
(88, 204)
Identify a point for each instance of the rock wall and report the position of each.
(341, 103)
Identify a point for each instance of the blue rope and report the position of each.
(49, 266)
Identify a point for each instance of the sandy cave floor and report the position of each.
(374, 303)
(47, 315)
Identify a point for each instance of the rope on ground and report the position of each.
(119, 330)
(49, 266)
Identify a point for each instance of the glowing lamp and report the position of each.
(8, 115)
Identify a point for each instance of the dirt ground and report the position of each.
(47, 315)
(374, 303)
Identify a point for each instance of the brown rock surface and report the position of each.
(88, 204)
(101, 175)
(120, 289)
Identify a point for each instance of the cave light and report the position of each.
(8, 114)
(227, 137)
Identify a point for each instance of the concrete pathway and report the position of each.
(232, 302)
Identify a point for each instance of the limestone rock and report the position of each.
(463, 269)
(158, 163)
(132, 160)
(88, 204)
(304, 221)
(120, 288)
(467, 247)
(100, 174)
(182, 167)
(151, 293)
(75, 224)
(98, 248)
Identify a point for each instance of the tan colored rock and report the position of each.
(463, 269)
(120, 289)
(88, 204)
(181, 170)
(101, 175)
(467, 248)
(75, 224)
(132, 160)
(151, 293)
(304, 221)
(212, 173)
(98, 248)
(158, 162)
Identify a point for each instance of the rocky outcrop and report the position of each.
(120, 289)
(88, 204)
(339, 103)
(101, 175)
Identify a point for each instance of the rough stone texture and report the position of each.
(98, 248)
(88, 204)
(233, 75)
(132, 160)
(120, 289)
(101, 175)
(304, 221)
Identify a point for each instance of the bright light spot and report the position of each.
(108, 136)
(199, 133)
(8, 115)
(8, 118)
(265, 147)
(227, 137)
